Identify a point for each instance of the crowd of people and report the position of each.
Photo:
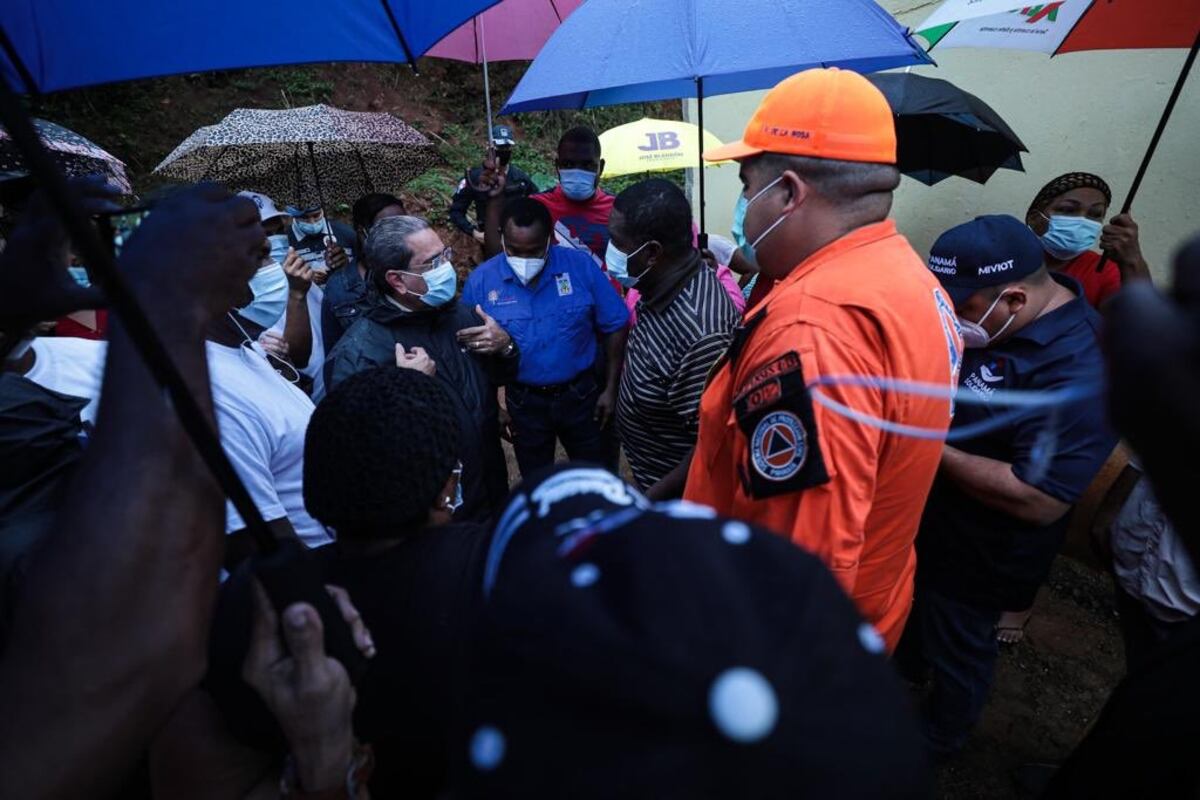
(815, 482)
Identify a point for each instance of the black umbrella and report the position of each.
(942, 130)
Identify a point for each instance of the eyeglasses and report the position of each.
(446, 256)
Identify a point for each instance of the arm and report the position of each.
(459, 205)
(496, 178)
(614, 352)
(139, 547)
(297, 329)
(994, 484)
(670, 486)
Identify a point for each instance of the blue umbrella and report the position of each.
(632, 51)
(51, 45)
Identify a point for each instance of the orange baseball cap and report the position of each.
(821, 113)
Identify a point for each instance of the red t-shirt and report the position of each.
(1097, 286)
(586, 222)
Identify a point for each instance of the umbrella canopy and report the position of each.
(512, 30)
(614, 51)
(74, 154)
(942, 130)
(653, 145)
(304, 156)
(65, 44)
(1064, 26)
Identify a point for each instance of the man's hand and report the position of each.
(34, 282)
(274, 344)
(487, 339)
(214, 239)
(335, 255)
(308, 692)
(300, 275)
(605, 406)
(493, 175)
(1119, 239)
(478, 236)
(416, 359)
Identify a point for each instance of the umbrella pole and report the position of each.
(1158, 132)
(320, 197)
(142, 334)
(703, 239)
(487, 86)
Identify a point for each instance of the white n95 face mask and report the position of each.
(526, 269)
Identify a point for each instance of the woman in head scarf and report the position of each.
(1068, 214)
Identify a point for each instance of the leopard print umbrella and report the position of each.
(316, 155)
(74, 154)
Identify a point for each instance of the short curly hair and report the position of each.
(379, 449)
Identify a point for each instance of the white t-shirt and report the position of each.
(316, 362)
(261, 418)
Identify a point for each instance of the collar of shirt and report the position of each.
(859, 237)
(665, 285)
(1048, 327)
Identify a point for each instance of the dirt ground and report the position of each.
(1048, 688)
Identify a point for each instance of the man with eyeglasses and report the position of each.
(417, 325)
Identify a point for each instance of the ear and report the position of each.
(1016, 299)
(396, 281)
(654, 251)
(798, 191)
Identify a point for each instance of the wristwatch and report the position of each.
(509, 351)
(355, 787)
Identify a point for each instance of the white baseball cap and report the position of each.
(266, 206)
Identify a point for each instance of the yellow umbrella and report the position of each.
(652, 145)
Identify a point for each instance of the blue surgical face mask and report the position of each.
(441, 283)
(1067, 237)
(309, 228)
(618, 265)
(80, 275)
(279, 246)
(270, 289)
(739, 223)
(577, 184)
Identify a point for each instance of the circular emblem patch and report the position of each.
(779, 446)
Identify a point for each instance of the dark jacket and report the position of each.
(420, 599)
(470, 380)
(518, 185)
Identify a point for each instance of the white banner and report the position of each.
(1041, 28)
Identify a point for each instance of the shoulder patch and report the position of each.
(775, 413)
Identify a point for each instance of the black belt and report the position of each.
(553, 389)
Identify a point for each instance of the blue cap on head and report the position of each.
(502, 135)
(300, 211)
(992, 250)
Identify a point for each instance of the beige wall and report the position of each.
(1093, 111)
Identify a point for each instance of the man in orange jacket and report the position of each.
(853, 307)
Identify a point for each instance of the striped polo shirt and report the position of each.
(682, 328)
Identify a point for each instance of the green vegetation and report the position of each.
(142, 122)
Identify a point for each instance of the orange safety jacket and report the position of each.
(865, 305)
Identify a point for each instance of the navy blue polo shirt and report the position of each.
(556, 318)
(979, 554)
